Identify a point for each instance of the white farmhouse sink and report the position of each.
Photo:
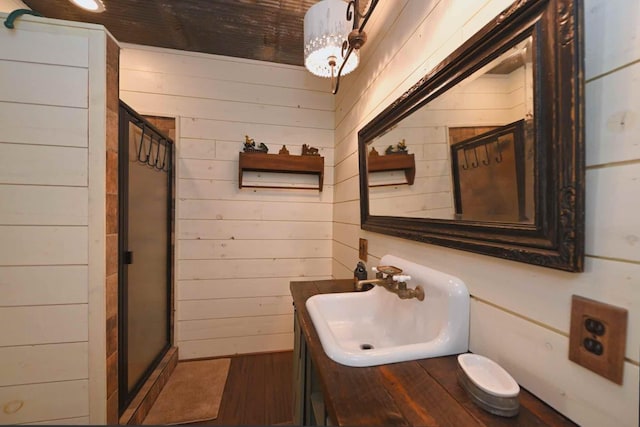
(377, 327)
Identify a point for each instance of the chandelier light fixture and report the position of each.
(333, 35)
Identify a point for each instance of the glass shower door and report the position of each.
(146, 248)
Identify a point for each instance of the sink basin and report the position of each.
(377, 327)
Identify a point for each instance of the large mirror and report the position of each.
(486, 152)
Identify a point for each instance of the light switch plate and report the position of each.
(363, 249)
(597, 337)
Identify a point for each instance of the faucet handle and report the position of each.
(401, 278)
(387, 270)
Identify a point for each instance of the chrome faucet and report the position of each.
(390, 278)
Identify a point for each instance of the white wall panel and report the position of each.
(43, 125)
(32, 245)
(45, 47)
(241, 229)
(40, 165)
(40, 205)
(254, 210)
(235, 345)
(347, 212)
(43, 324)
(48, 73)
(43, 285)
(256, 268)
(231, 111)
(538, 357)
(270, 133)
(613, 124)
(216, 67)
(233, 288)
(207, 169)
(46, 401)
(611, 216)
(253, 249)
(234, 307)
(49, 84)
(207, 87)
(206, 189)
(43, 363)
(612, 35)
(238, 249)
(234, 327)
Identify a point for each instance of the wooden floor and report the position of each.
(259, 391)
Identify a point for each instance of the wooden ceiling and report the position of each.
(265, 30)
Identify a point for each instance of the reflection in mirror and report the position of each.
(473, 149)
(485, 153)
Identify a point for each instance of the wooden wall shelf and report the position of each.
(281, 163)
(392, 162)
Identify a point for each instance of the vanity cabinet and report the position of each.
(308, 399)
(418, 392)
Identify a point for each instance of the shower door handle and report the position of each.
(128, 257)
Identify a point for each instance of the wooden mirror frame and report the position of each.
(556, 238)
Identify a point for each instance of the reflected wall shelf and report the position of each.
(393, 162)
(281, 163)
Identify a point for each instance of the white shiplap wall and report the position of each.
(520, 314)
(237, 249)
(52, 257)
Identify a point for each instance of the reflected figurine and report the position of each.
(400, 148)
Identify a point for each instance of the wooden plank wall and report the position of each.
(520, 314)
(237, 249)
(44, 224)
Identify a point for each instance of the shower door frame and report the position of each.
(127, 115)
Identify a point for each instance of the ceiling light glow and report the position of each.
(90, 5)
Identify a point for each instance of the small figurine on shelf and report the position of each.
(400, 148)
(250, 146)
(309, 151)
(284, 151)
(374, 152)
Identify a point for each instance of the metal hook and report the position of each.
(499, 157)
(477, 162)
(150, 149)
(164, 157)
(466, 162)
(141, 144)
(155, 164)
(486, 151)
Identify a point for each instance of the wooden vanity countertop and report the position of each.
(416, 393)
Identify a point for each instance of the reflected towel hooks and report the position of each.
(475, 163)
